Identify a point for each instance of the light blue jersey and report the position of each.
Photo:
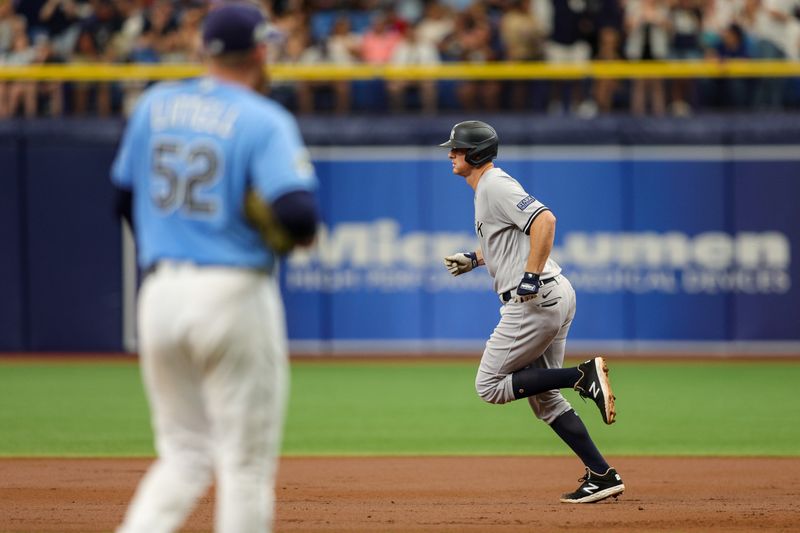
(190, 152)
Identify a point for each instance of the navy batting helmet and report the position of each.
(478, 138)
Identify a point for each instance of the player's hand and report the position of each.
(528, 288)
(461, 262)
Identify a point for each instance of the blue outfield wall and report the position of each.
(667, 247)
(671, 242)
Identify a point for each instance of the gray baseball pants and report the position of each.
(533, 333)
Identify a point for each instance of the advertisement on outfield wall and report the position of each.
(663, 246)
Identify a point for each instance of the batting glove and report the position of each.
(461, 263)
(528, 288)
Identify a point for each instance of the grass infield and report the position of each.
(98, 409)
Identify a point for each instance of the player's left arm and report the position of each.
(288, 221)
(127, 158)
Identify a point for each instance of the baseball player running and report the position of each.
(525, 353)
(220, 184)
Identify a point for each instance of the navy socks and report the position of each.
(570, 428)
(531, 381)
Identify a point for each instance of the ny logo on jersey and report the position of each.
(479, 228)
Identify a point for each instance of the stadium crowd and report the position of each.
(417, 32)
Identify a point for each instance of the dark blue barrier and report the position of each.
(73, 240)
(75, 283)
(12, 279)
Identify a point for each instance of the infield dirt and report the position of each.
(434, 494)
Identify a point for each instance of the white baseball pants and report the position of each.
(214, 363)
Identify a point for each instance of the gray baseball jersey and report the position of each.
(529, 333)
(504, 213)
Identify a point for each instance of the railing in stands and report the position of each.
(447, 71)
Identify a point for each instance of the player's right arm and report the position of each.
(463, 262)
(122, 170)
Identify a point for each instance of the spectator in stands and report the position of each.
(435, 25)
(7, 18)
(379, 42)
(394, 19)
(62, 22)
(409, 10)
(471, 41)
(718, 15)
(298, 50)
(730, 92)
(413, 52)
(522, 39)
(29, 10)
(129, 44)
(185, 44)
(104, 22)
(458, 6)
(343, 47)
(567, 44)
(608, 14)
(377, 47)
(10, 26)
(51, 92)
(21, 93)
(609, 45)
(769, 24)
(287, 20)
(159, 31)
(647, 23)
(94, 45)
(686, 24)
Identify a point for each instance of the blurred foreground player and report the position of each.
(524, 356)
(221, 185)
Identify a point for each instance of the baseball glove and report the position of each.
(261, 216)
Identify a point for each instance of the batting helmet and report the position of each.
(478, 138)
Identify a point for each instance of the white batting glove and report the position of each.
(461, 263)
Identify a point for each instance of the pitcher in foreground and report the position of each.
(220, 186)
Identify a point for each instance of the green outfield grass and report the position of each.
(417, 408)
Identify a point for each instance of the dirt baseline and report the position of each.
(433, 494)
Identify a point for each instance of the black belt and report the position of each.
(506, 296)
(154, 266)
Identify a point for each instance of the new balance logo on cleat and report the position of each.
(596, 487)
(594, 384)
